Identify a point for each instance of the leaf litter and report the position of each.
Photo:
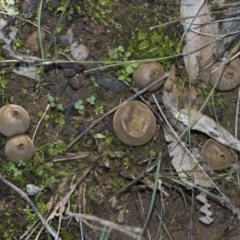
(200, 34)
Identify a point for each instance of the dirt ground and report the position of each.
(118, 185)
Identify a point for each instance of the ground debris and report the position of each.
(207, 219)
(199, 35)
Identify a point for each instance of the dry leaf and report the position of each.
(198, 33)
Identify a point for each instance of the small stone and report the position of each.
(65, 40)
(110, 84)
(79, 51)
(29, 8)
(74, 83)
(32, 189)
(33, 41)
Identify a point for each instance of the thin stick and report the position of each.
(114, 109)
(83, 155)
(237, 112)
(34, 135)
(236, 128)
(30, 203)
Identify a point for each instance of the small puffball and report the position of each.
(134, 123)
(218, 156)
(19, 148)
(14, 120)
(146, 73)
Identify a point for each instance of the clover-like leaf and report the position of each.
(121, 78)
(127, 54)
(129, 69)
(50, 98)
(60, 107)
(135, 65)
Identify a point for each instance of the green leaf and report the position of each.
(127, 54)
(134, 65)
(114, 56)
(76, 105)
(129, 69)
(121, 78)
(81, 107)
(50, 98)
(120, 49)
(60, 107)
(99, 136)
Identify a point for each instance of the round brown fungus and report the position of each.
(19, 148)
(14, 120)
(146, 73)
(230, 78)
(218, 156)
(134, 123)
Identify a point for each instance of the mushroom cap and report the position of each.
(19, 148)
(14, 120)
(218, 156)
(147, 73)
(230, 78)
(134, 123)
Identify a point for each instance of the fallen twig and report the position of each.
(34, 135)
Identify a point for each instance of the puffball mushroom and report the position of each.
(14, 120)
(19, 148)
(147, 73)
(218, 156)
(134, 123)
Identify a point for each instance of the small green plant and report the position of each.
(91, 100)
(15, 171)
(124, 71)
(109, 139)
(56, 148)
(46, 117)
(17, 44)
(59, 30)
(153, 153)
(54, 103)
(3, 84)
(24, 90)
(119, 53)
(79, 106)
(127, 162)
(99, 110)
(119, 183)
(127, 71)
(58, 118)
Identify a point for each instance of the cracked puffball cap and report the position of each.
(14, 120)
(217, 156)
(227, 80)
(147, 73)
(134, 123)
(19, 148)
